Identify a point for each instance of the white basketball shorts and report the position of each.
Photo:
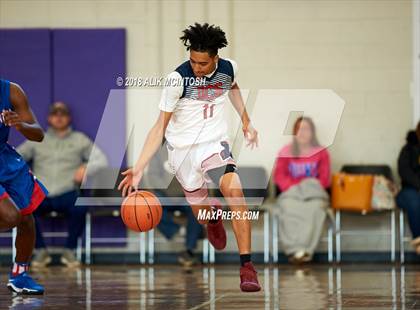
(190, 166)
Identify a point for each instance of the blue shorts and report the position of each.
(25, 190)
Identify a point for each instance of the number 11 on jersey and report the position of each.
(208, 107)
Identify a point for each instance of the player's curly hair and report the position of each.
(204, 38)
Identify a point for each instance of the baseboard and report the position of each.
(232, 258)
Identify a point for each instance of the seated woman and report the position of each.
(409, 197)
(302, 173)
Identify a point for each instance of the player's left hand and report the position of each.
(80, 174)
(251, 135)
(11, 118)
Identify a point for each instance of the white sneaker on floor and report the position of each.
(69, 259)
(41, 259)
(300, 257)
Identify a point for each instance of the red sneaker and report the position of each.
(216, 233)
(249, 279)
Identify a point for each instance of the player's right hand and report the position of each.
(130, 182)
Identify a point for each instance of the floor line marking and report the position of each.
(209, 302)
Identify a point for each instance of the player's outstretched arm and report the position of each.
(22, 117)
(132, 176)
(251, 135)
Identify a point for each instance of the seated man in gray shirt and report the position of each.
(60, 161)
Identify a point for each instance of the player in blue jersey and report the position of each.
(192, 119)
(20, 192)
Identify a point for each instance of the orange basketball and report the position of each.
(141, 211)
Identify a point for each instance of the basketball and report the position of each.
(141, 211)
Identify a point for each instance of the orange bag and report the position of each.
(352, 192)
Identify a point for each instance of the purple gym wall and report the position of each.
(25, 58)
(77, 66)
(86, 63)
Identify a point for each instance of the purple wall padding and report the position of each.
(86, 66)
(25, 58)
(80, 67)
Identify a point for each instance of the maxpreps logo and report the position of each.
(323, 105)
(215, 214)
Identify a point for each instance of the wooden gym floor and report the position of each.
(206, 287)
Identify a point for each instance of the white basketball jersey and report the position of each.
(197, 105)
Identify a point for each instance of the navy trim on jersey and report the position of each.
(186, 72)
(4, 95)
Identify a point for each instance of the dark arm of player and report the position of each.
(22, 117)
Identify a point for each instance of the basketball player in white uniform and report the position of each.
(192, 121)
